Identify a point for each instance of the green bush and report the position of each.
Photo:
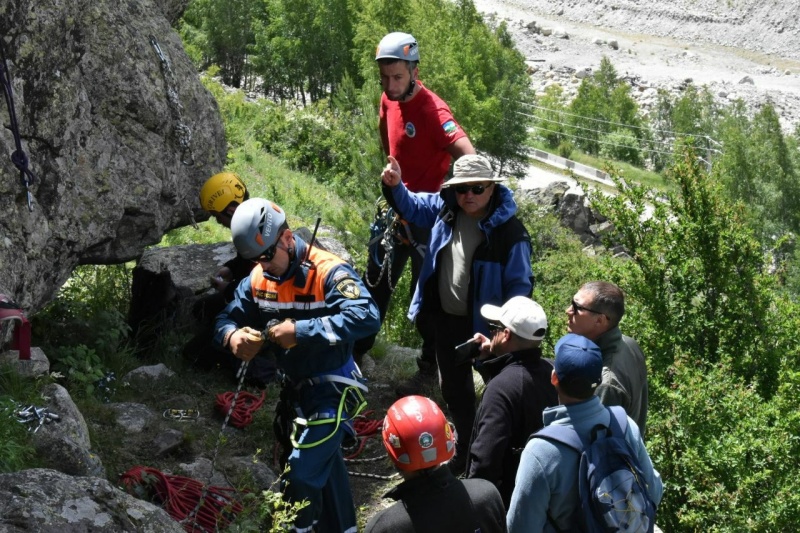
(621, 145)
(565, 149)
(721, 356)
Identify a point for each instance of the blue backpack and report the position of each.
(612, 489)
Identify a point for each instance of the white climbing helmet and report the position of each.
(398, 45)
(256, 226)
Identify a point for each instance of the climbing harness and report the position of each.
(386, 231)
(351, 404)
(19, 157)
(183, 132)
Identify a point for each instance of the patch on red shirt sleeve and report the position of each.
(450, 127)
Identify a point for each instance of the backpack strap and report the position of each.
(619, 421)
(618, 425)
(561, 434)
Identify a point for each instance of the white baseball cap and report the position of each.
(521, 315)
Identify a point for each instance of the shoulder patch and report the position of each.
(450, 127)
(349, 289)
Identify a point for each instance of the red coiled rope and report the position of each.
(179, 496)
(364, 428)
(246, 405)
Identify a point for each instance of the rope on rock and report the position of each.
(246, 406)
(19, 157)
(179, 495)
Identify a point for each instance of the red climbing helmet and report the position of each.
(417, 435)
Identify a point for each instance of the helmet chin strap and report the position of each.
(408, 93)
(410, 90)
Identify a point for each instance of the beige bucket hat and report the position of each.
(472, 168)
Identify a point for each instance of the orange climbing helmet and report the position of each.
(417, 435)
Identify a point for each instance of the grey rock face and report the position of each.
(50, 501)
(65, 445)
(117, 127)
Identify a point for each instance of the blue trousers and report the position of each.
(319, 475)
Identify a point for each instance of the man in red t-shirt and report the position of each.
(418, 129)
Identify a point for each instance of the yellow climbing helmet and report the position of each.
(220, 190)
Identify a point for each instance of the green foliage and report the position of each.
(84, 331)
(93, 303)
(691, 119)
(267, 511)
(17, 451)
(222, 31)
(291, 64)
(82, 368)
(565, 149)
(757, 168)
(621, 145)
(701, 271)
(16, 448)
(723, 452)
(721, 355)
(603, 104)
(551, 118)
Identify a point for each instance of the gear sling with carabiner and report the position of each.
(387, 230)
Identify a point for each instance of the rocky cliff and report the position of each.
(119, 132)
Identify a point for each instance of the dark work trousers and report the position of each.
(458, 387)
(382, 292)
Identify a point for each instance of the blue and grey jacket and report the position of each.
(501, 266)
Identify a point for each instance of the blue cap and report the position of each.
(578, 360)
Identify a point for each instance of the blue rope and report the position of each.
(19, 157)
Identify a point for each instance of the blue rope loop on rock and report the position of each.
(18, 157)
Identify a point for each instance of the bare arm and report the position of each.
(462, 146)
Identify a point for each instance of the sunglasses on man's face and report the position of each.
(476, 189)
(576, 308)
(268, 255)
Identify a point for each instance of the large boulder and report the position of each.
(167, 281)
(119, 131)
(50, 501)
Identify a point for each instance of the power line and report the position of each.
(572, 136)
(599, 132)
(602, 121)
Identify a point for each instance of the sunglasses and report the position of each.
(576, 308)
(476, 189)
(268, 255)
